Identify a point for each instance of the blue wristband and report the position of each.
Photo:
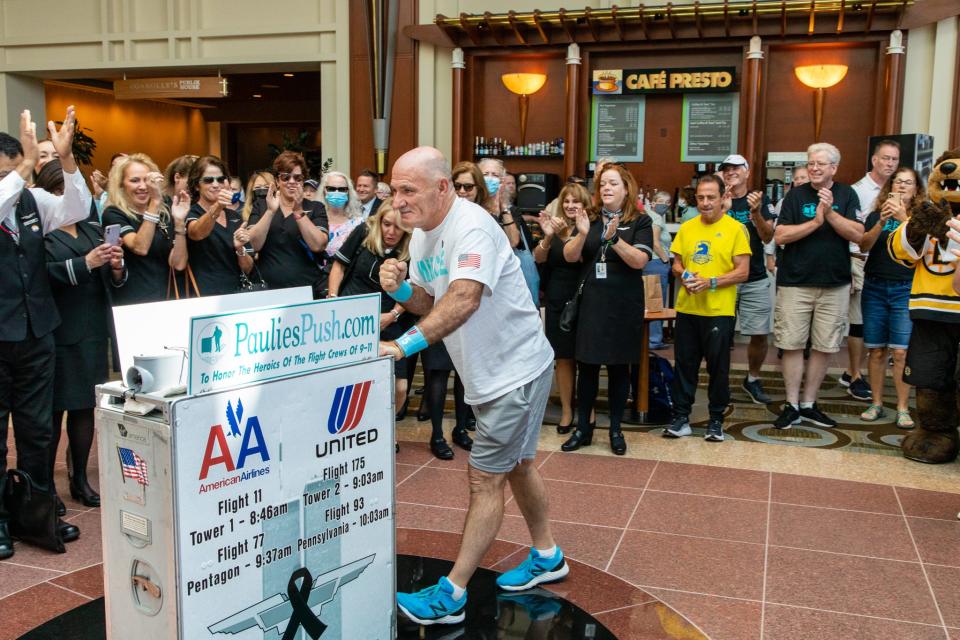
(404, 293)
(412, 341)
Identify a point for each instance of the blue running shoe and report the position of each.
(433, 605)
(535, 570)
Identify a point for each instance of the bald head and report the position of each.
(423, 162)
(422, 187)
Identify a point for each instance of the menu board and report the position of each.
(617, 127)
(710, 126)
(284, 494)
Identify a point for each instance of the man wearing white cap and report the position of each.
(753, 210)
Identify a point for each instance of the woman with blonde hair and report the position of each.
(153, 236)
(562, 278)
(356, 270)
(344, 211)
(258, 186)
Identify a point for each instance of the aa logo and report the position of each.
(348, 405)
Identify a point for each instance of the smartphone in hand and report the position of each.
(111, 235)
(236, 198)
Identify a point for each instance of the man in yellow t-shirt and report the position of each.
(711, 255)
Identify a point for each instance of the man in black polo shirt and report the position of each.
(28, 314)
(753, 210)
(816, 225)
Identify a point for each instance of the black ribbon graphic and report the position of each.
(302, 615)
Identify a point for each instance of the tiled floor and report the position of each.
(680, 538)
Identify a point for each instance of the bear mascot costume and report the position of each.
(935, 311)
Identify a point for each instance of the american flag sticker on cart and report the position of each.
(132, 466)
(468, 261)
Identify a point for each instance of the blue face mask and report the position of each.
(661, 208)
(337, 200)
(493, 184)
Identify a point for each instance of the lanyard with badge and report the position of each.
(601, 266)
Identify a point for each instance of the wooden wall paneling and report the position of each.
(403, 119)
(789, 109)
(955, 113)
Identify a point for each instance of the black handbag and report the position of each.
(571, 308)
(246, 284)
(33, 512)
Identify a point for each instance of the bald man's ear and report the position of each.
(444, 186)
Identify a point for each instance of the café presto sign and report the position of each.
(642, 81)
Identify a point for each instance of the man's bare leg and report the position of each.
(483, 523)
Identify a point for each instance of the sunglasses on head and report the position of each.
(337, 189)
(284, 177)
(212, 179)
(461, 186)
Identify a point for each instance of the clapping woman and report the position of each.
(615, 248)
(153, 236)
(83, 273)
(562, 278)
(217, 236)
(287, 231)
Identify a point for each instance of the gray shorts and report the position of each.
(754, 307)
(508, 427)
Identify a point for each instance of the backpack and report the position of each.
(660, 401)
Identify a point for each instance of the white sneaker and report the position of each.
(679, 428)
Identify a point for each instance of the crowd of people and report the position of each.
(140, 235)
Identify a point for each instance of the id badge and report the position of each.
(601, 271)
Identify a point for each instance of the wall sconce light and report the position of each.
(820, 77)
(524, 85)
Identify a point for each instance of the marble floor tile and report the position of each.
(720, 518)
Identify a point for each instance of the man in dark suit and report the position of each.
(366, 188)
(28, 314)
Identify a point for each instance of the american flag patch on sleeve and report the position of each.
(468, 261)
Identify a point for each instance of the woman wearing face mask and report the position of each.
(217, 236)
(610, 324)
(258, 186)
(562, 279)
(659, 265)
(886, 293)
(344, 213)
(153, 237)
(687, 204)
(288, 232)
(356, 270)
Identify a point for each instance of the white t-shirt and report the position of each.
(502, 345)
(867, 191)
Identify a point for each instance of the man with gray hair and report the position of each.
(466, 285)
(816, 223)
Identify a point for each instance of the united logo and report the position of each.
(348, 405)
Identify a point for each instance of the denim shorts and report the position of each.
(886, 313)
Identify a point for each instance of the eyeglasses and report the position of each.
(818, 165)
(463, 186)
(337, 189)
(906, 183)
(212, 179)
(285, 177)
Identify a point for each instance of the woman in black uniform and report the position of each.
(81, 268)
(290, 232)
(561, 279)
(618, 246)
(153, 236)
(356, 270)
(217, 236)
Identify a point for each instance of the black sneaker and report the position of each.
(788, 417)
(755, 391)
(714, 430)
(860, 390)
(845, 379)
(817, 417)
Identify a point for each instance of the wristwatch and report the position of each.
(396, 315)
(713, 284)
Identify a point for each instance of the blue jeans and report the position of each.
(658, 268)
(886, 315)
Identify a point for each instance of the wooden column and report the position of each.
(458, 65)
(892, 102)
(751, 104)
(955, 113)
(571, 129)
